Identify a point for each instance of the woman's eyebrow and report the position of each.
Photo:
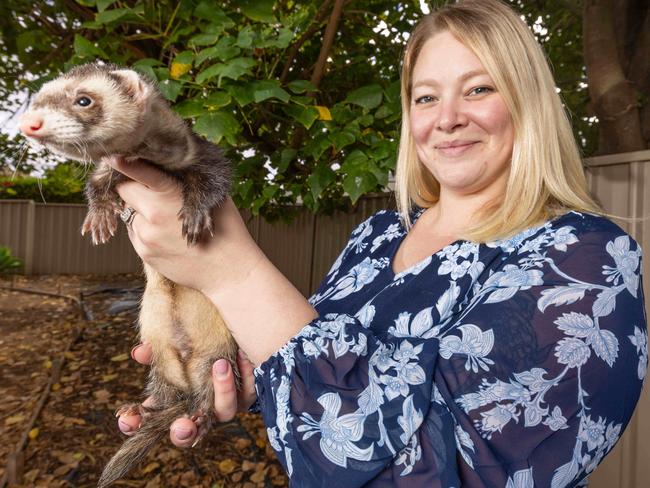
(464, 77)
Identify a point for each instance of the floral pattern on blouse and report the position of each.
(514, 363)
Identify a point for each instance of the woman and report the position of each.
(490, 333)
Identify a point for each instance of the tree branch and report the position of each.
(328, 42)
(295, 47)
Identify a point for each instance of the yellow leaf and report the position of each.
(33, 434)
(323, 113)
(78, 456)
(179, 69)
(227, 466)
(47, 364)
(14, 419)
(69, 355)
(56, 386)
(149, 468)
(120, 357)
(108, 377)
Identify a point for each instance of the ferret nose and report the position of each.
(31, 124)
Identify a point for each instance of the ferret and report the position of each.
(97, 111)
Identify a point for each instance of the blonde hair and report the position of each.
(546, 175)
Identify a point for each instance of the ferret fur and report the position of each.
(128, 117)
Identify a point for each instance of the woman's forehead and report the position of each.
(442, 58)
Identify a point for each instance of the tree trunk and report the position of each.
(616, 100)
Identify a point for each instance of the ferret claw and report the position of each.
(101, 223)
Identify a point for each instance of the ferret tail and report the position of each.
(153, 429)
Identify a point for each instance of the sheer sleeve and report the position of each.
(342, 402)
(544, 366)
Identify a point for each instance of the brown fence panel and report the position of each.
(332, 233)
(60, 248)
(17, 229)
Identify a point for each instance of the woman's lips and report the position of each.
(455, 149)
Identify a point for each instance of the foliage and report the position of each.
(244, 73)
(62, 183)
(8, 263)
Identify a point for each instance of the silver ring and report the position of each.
(127, 215)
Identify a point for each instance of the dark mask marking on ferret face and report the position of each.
(90, 115)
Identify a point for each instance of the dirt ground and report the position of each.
(76, 432)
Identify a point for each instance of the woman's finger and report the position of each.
(183, 432)
(129, 424)
(142, 353)
(247, 395)
(225, 391)
(141, 172)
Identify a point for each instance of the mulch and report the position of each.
(47, 346)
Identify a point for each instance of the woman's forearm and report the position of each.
(261, 307)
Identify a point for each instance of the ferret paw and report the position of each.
(101, 223)
(196, 223)
(202, 423)
(131, 409)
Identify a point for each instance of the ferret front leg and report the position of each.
(103, 203)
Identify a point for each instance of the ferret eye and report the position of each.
(83, 101)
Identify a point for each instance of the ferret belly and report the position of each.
(185, 331)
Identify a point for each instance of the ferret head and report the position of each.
(90, 112)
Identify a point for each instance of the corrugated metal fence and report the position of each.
(46, 237)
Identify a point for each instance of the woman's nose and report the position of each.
(451, 116)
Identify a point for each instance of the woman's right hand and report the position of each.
(227, 400)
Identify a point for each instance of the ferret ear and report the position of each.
(134, 84)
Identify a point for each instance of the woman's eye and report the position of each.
(83, 101)
(481, 90)
(424, 99)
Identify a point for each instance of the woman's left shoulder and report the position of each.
(588, 225)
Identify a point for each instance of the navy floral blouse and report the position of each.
(510, 364)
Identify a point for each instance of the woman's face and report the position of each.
(462, 129)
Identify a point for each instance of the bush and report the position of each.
(61, 184)
(8, 263)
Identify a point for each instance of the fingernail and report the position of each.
(182, 434)
(124, 427)
(133, 350)
(220, 367)
(242, 355)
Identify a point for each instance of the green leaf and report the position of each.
(243, 94)
(205, 54)
(301, 86)
(217, 125)
(104, 4)
(358, 183)
(245, 37)
(108, 16)
(260, 10)
(204, 40)
(367, 96)
(234, 69)
(305, 115)
(355, 161)
(189, 108)
(265, 89)
(343, 138)
(285, 36)
(208, 10)
(145, 66)
(383, 112)
(322, 176)
(170, 89)
(286, 156)
(226, 48)
(217, 99)
(185, 57)
(86, 49)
